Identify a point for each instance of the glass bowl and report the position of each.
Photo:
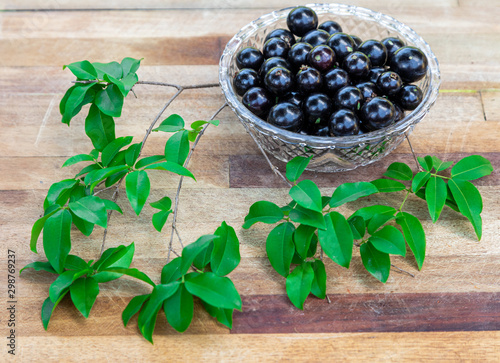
(331, 154)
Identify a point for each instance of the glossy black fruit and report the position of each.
(279, 81)
(389, 83)
(249, 58)
(315, 37)
(322, 131)
(368, 89)
(349, 97)
(257, 100)
(343, 123)
(357, 64)
(330, 26)
(410, 63)
(244, 80)
(284, 34)
(399, 113)
(297, 56)
(392, 44)
(342, 44)
(309, 80)
(301, 20)
(410, 96)
(286, 116)
(275, 47)
(292, 97)
(357, 41)
(271, 63)
(321, 57)
(334, 80)
(375, 50)
(377, 113)
(317, 108)
(374, 73)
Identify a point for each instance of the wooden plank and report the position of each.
(264, 314)
(491, 102)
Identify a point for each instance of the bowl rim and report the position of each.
(392, 24)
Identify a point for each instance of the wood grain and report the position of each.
(449, 311)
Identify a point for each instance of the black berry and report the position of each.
(271, 63)
(374, 73)
(389, 83)
(342, 44)
(279, 81)
(257, 100)
(293, 97)
(343, 123)
(392, 44)
(316, 37)
(368, 89)
(377, 113)
(349, 97)
(317, 108)
(334, 80)
(357, 64)
(244, 80)
(297, 56)
(330, 26)
(249, 58)
(284, 34)
(357, 41)
(286, 116)
(321, 57)
(276, 47)
(309, 80)
(301, 20)
(375, 50)
(410, 63)
(409, 97)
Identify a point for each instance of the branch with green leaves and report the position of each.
(77, 201)
(310, 219)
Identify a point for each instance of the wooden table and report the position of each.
(449, 311)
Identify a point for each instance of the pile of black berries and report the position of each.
(315, 79)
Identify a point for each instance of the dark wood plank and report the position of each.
(264, 314)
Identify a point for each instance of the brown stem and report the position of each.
(179, 186)
(400, 270)
(419, 168)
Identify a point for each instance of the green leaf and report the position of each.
(63, 282)
(91, 209)
(313, 247)
(149, 160)
(367, 213)
(358, 227)
(425, 163)
(215, 290)
(287, 208)
(48, 308)
(349, 192)
(263, 211)
(110, 205)
(280, 247)
(133, 272)
(469, 202)
(120, 257)
(226, 251)
(82, 70)
(203, 258)
(130, 65)
(95, 177)
(420, 180)
(172, 167)
(39, 266)
(414, 235)
(377, 263)
(37, 229)
(377, 221)
(450, 200)
(137, 185)
(471, 168)
(299, 283)
(177, 147)
(337, 240)
(84, 292)
(388, 185)
(99, 127)
(192, 250)
(133, 307)
(296, 166)
(132, 153)
(318, 287)
(148, 314)
(110, 101)
(307, 217)
(72, 104)
(59, 192)
(172, 123)
(399, 171)
(197, 125)
(128, 82)
(307, 194)
(435, 195)
(179, 309)
(77, 159)
(110, 151)
(75, 263)
(113, 69)
(302, 238)
(164, 204)
(159, 219)
(171, 271)
(389, 240)
(440, 165)
(57, 239)
(83, 226)
(223, 316)
(88, 169)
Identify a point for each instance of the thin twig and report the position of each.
(113, 198)
(400, 270)
(419, 167)
(164, 84)
(273, 168)
(179, 186)
(328, 299)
